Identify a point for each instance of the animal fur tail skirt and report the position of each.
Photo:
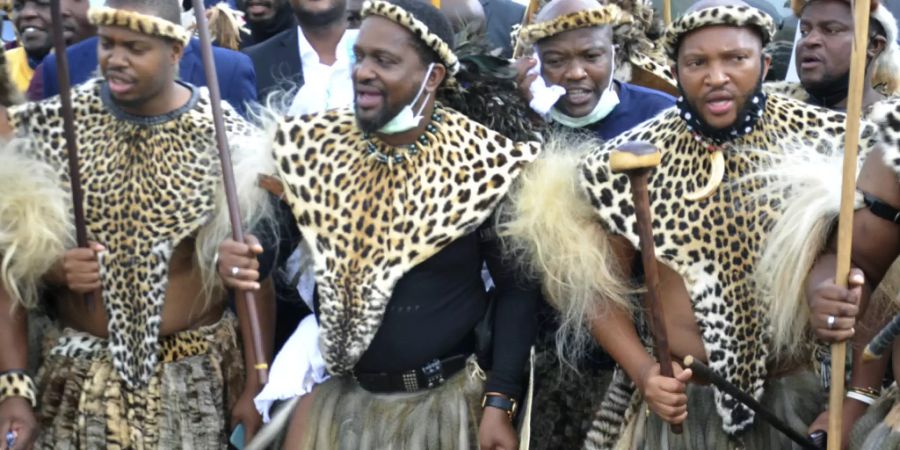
(879, 428)
(344, 416)
(85, 405)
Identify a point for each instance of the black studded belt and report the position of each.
(429, 376)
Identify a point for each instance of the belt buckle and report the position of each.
(434, 374)
(410, 382)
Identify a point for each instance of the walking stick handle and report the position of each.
(637, 160)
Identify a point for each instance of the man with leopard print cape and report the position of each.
(573, 223)
(577, 55)
(394, 198)
(155, 361)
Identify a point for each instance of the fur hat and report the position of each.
(732, 15)
(141, 23)
(402, 17)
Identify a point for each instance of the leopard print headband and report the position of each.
(403, 18)
(605, 15)
(731, 15)
(141, 23)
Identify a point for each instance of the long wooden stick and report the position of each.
(530, 11)
(845, 226)
(234, 211)
(667, 12)
(65, 97)
(637, 160)
(703, 372)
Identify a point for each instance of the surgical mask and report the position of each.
(405, 120)
(609, 99)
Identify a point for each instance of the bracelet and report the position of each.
(860, 398)
(868, 392)
(17, 383)
(863, 395)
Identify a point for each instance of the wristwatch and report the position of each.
(500, 401)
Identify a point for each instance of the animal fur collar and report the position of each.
(368, 223)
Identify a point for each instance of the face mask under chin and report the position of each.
(406, 120)
(608, 101)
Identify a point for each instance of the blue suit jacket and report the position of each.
(237, 80)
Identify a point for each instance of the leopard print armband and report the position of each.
(17, 383)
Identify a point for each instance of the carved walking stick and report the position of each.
(637, 160)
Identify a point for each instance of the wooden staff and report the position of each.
(845, 226)
(234, 211)
(637, 160)
(705, 373)
(667, 12)
(65, 97)
(530, 11)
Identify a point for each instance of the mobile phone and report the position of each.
(237, 437)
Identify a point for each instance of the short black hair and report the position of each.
(164, 9)
(437, 23)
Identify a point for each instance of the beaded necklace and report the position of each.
(411, 149)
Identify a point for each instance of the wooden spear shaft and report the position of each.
(667, 12)
(530, 11)
(65, 97)
(252, 333)
(845, 226)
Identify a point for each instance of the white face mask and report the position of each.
(405, 120)
(609, 99)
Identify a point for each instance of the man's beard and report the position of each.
(321, 18)
(829, 91)
(371, 125)
(742, 106)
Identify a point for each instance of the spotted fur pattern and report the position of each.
(400, 16)
(714, 243)
(84, 404)
(17, 384)
(603, 15)
(368, 223)
(886, 114)
(790, 89)
(137, 22)
(738, 16)
(146, 189)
